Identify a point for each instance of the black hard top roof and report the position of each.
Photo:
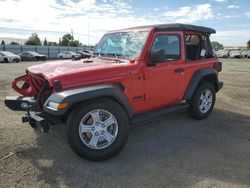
(176, 27)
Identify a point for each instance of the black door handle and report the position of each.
(179, 70)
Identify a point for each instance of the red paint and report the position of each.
(158, 85)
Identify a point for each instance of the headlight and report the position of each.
(56, 106)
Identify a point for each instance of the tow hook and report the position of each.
(35, 121)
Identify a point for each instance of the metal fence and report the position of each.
(50, 51)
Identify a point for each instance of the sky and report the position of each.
(90, 19)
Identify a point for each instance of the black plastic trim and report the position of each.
(156, 114)
(74, 96)
(197, 77)
(176, 27)
(14, 103)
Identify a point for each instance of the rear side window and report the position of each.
(198, 47)
(193, 47)
(207, 51)
(169, 43)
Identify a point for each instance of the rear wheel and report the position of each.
(73, 58)
(5, 60)
(202, 102)
(98, 130)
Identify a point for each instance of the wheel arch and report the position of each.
(78, 96)
(5, 60)
(203, 75)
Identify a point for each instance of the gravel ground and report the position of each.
(174, 152)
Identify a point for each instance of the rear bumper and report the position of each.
(220, 85)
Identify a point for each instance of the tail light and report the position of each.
(218, 66)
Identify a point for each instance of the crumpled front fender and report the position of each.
(28, 85)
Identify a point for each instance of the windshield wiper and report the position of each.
(99, 54)
(117, 59)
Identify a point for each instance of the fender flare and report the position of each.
(197, 77)
(73, 96)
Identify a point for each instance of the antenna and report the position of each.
(72, 34)
(88, 33)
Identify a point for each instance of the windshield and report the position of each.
(223, 51)
(7, 53)
(122, 44)
(234, 52)
(34, 53)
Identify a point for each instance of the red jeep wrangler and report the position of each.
(135, 75)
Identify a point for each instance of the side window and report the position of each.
(207, 51)
(169, 43)
(193, 47)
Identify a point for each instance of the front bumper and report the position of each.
(20, 103)
(32, 116)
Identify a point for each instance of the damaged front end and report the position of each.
(34, 90)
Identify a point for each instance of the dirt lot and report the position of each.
(174, 152)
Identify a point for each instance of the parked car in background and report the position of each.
(32, 56)
(222, 53)
(235, 54)
(69, 55)
(248, 54)
(244, 53)
(7, 57)
(88, 52)
(84, 54)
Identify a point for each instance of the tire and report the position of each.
(6, 60)
(81, 142)
(35, 59)
(197, 109)
(73, 58)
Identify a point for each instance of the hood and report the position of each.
(14, 56)
(40, 55)
(82, 72)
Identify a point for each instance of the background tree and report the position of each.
(74, 43)
(52, 43)
(66, 39)
(33, 40)
(45, 43)
(2, 43)
(248, 44)
(14, 43)
(216, 45)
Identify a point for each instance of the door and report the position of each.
(164, 82)
(67, 55)
(1, 57)
(24, 56)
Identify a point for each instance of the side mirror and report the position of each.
(156, 56)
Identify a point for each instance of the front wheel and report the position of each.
(98, 130)
(6, 60)
(202, 102)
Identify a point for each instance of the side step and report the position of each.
(156, 114)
